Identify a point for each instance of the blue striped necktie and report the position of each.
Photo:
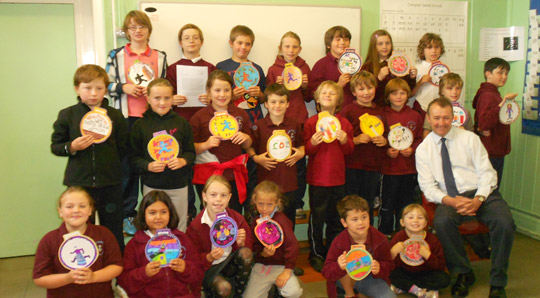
(449, 180)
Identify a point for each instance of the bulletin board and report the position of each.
(531, 112)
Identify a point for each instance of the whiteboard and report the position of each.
(269, 23)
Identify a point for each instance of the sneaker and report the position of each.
(316, 262)
(432, 294)
(298, 271)
(396, 290)
(301, 214)
(129, 227)
(497, 292)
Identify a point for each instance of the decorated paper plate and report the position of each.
(292, 77)
(97, 124)
(509, 112)
(399, 64)
(163, 247)
(329, 125)
(371, 125)
(223, 125)
(349, 62)
(411, 256)
(358, 262)
(77, 251)
(141, 74)
(460, 115)
(246, 75)
(279, 145)
(163, 147)
(400, 137)
(224, 231)
(437, 70)
(269, 232)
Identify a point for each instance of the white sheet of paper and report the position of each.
(191, 82)
(507, 43)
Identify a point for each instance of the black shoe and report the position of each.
(461, 288)
(298, 271)
(317, 263)
(497, 292)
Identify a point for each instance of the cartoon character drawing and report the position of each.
(509, 110)
(79, 256)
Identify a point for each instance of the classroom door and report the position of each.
(38, 58)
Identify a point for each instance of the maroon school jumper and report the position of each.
(287, 253)
(187, 112)
(436, 260)
(167, 282)
(297, 108)
(327, 69)
(381, 85)
(486, 102)
(282, 174)
(46, 261)
(376, 244)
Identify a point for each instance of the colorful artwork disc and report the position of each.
(163, 147)
(224, 231)
(223, 125)
(349, 62)
(411, 256)
(269, 232)
(292, 77)
(358, 263)
(371, 125)
(141, 74)
(246, 76)
(437, 70)
(400, 137)
(97, 124)
(509, 112)
(329, 125)
(163, 247)
(460, 115)
(78, 252)
(279, 145)
(399, 64)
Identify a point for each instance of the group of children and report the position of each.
(225, 171)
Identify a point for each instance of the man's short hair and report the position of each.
(442, 102)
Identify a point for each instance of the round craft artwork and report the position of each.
(411, 256)
(269, 232)
(349, 62)
(460, 116)
(358, 263)
(78, 252)
(163, 247)
(163, 147)
(292, 77)
(399, 64)
(509, 112)
(329, 125)
(97, 124)
(437, 70)
(279, 145)
(223, 125)
(371, 125)
(246, 76)
(400, 137)
(224, 231)
(141, 74)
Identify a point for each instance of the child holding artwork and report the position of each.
(283, 173)
(353, 211)
(94, 157)
(336, 40)
(425, 279)
(364, 164)
(216, 152)
(398, 166)
(326, 170)
(227, 269)
(162, 148)
(380, 49)
(273, 265)
(75, 207)
(144, 278)
(450, 87)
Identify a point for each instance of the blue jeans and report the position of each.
(372, 287)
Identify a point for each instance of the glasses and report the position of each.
(194, 37)
(134, 28)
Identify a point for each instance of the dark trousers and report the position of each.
(397, 192)
(130, 181)
(431, 280)
(234, 203)
(323, 205)
(494, 212)
(109, 207)
(235, 269)
(363, 183)
(289, 208)
(192, 210)
(301, 179)
(498, 164)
